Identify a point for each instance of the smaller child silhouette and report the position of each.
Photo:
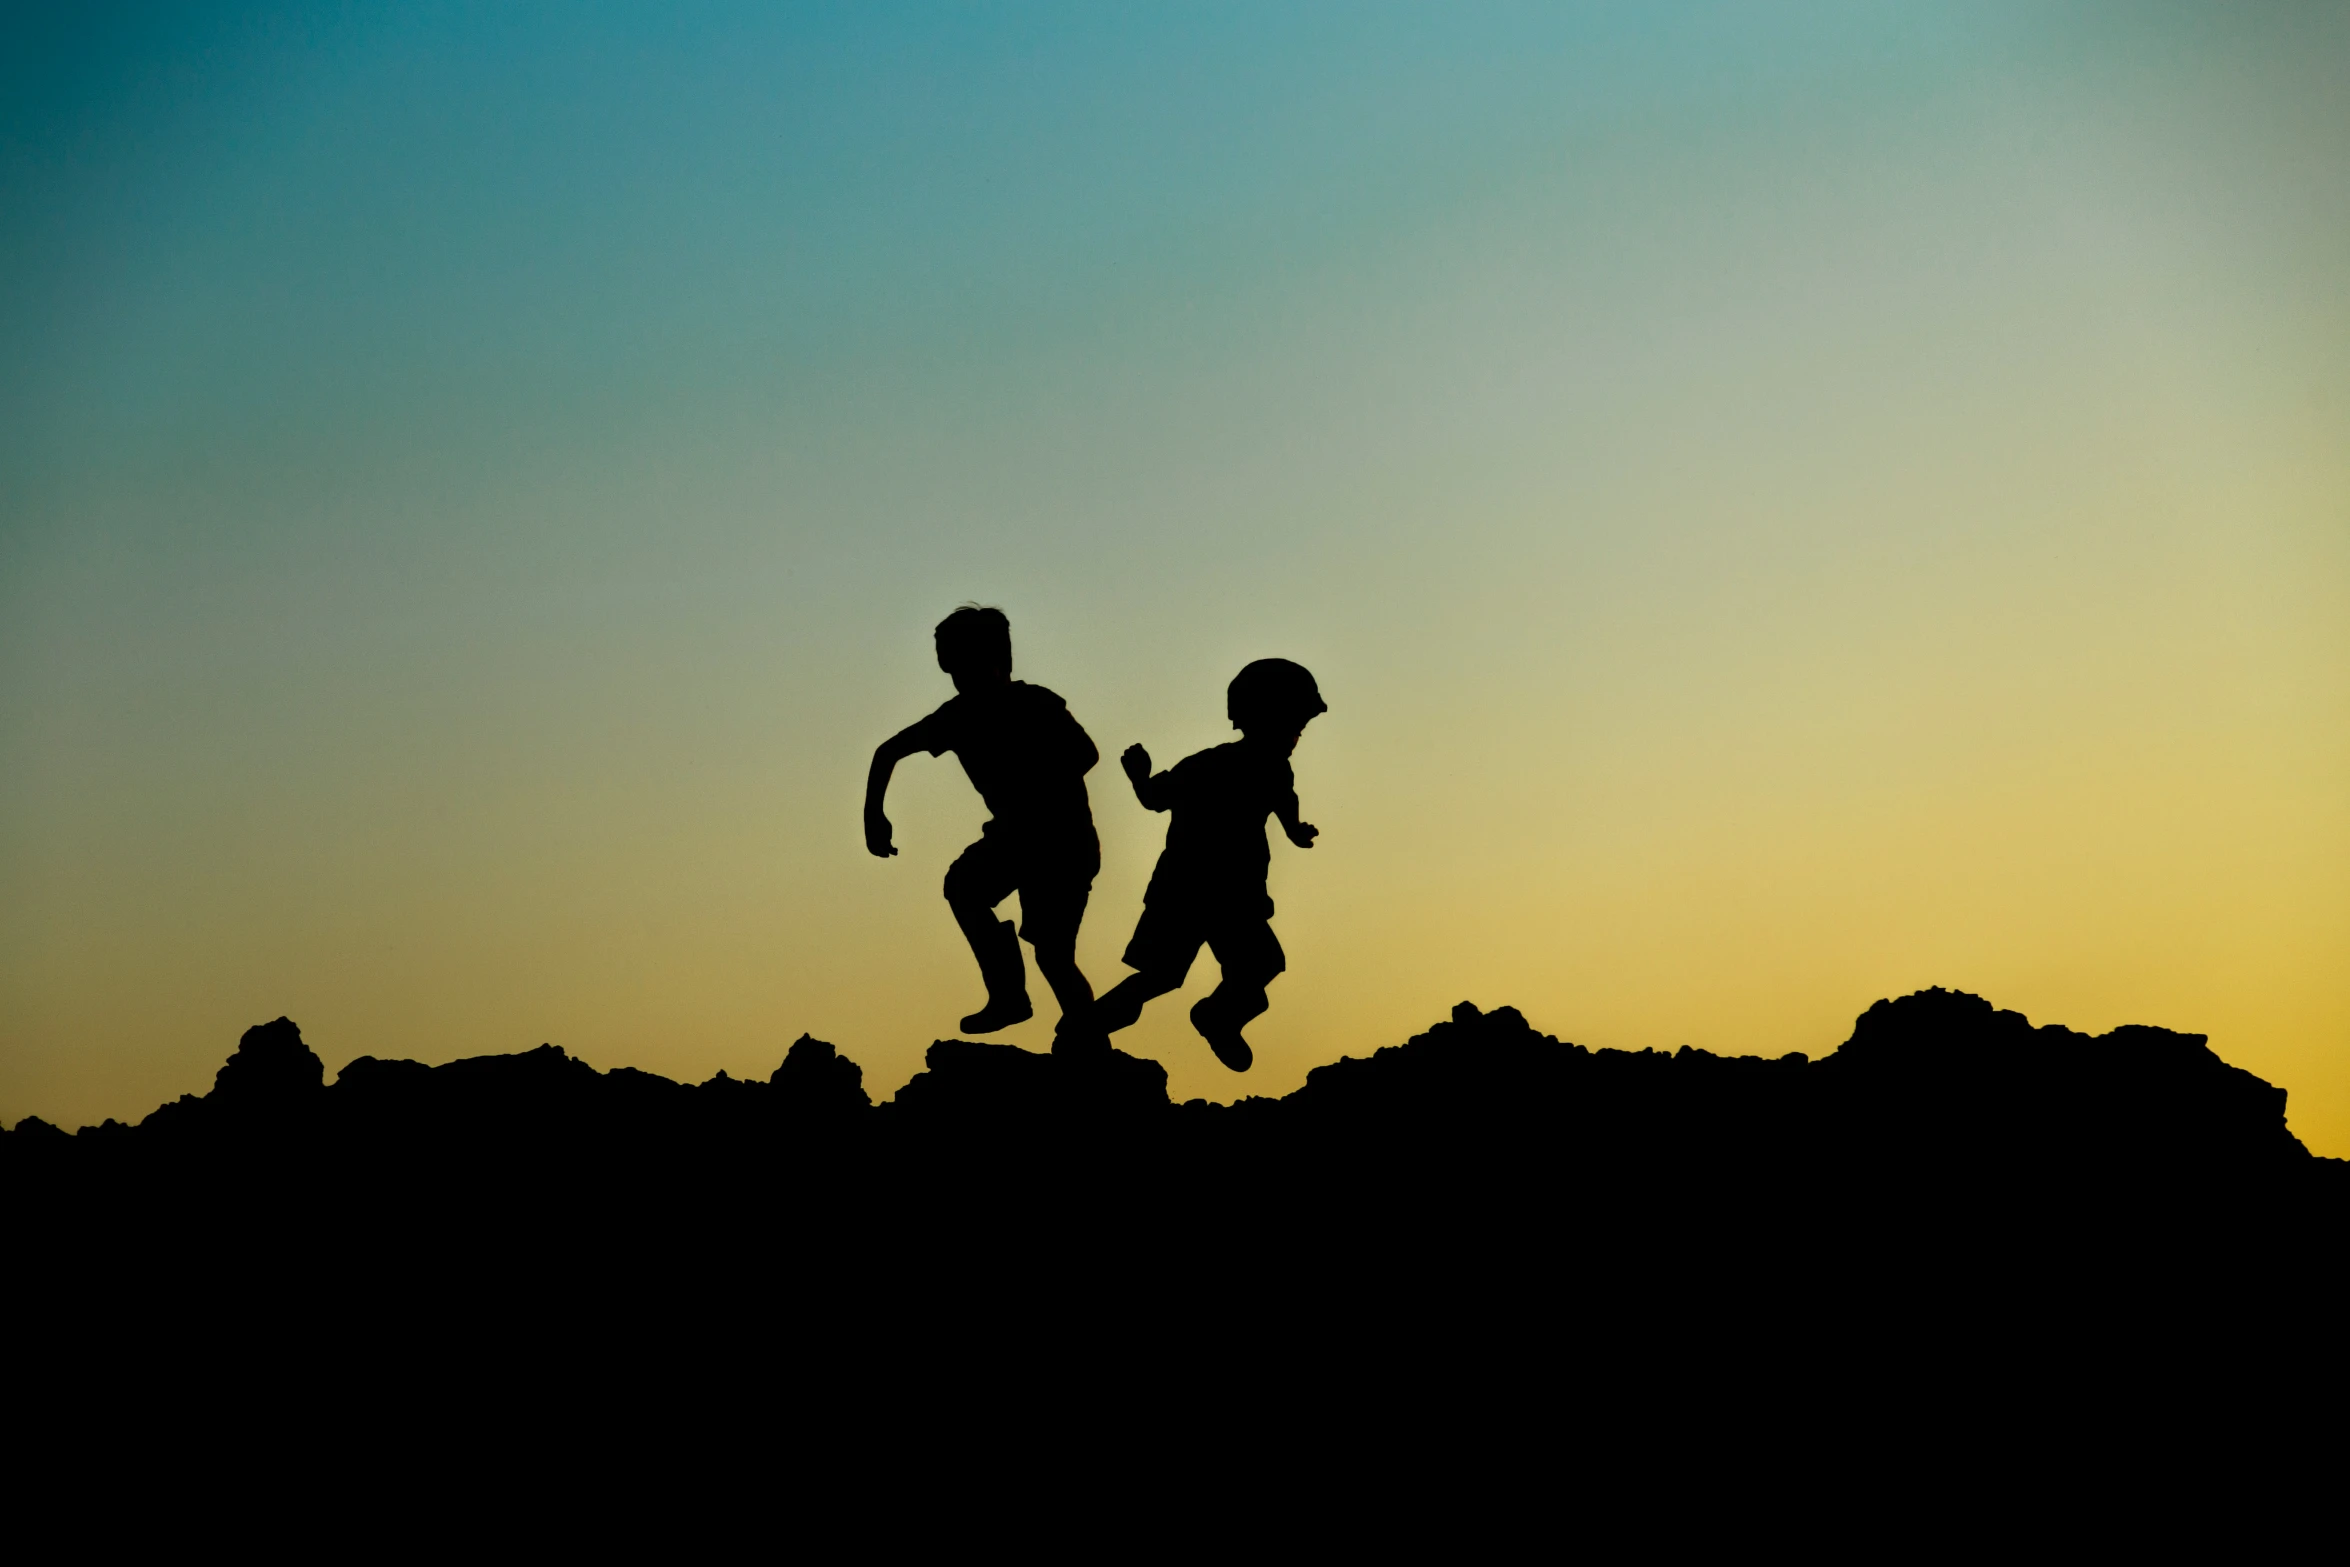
(1209, 887)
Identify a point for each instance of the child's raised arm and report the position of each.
(1149, 788)
(886, 757)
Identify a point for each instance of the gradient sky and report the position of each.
(1789, 505)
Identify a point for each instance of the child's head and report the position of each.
(1273, 699)
(975, 645)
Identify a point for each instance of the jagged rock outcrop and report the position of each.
(1952, 1198)
(1943, 1074)
(816, 1079)
(1938, 1082)
(271, 1069)
(965, 1083)
(1938, 1093)
(1953, 1206)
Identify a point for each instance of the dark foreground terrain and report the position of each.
(1941, 1129)
(1952, 1206)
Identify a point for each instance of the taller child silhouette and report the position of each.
(1028, 759)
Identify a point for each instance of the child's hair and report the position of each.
(1273, 693)
(975, 637)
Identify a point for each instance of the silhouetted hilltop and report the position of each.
(1953, 1200)
(1938, 1076)
(1941, 1126)
(274, 1084)
(1938, 1080)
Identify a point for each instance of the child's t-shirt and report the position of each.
(1216, 853)
(1024, 752)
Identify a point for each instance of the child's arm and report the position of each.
(1149, 789)
(885, 761)
(1300, 833)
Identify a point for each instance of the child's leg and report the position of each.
(1231, 1005)
(1250, 956)
(1050, 912)
(1165, 941)
(1122, 1007)
(981, 878)
(1057, 962)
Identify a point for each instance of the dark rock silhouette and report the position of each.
(1928, 1087)
(271, 1067)
(1954, 1205)
(964, 1082)
(817, 1079)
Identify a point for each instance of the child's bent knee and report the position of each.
(1246, 978)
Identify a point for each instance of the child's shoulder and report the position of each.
(1014, 702)
(1020, 691)
(1213, 759)
(1235, 765)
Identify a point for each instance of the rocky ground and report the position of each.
(1951, 1208)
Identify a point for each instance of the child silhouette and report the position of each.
(1209, 888)
(1028, 759)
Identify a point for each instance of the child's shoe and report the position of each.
(998, 951)
(1000, 1012)
(1222, 1037)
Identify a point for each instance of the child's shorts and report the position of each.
(1169, 936)
(1054, 884)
